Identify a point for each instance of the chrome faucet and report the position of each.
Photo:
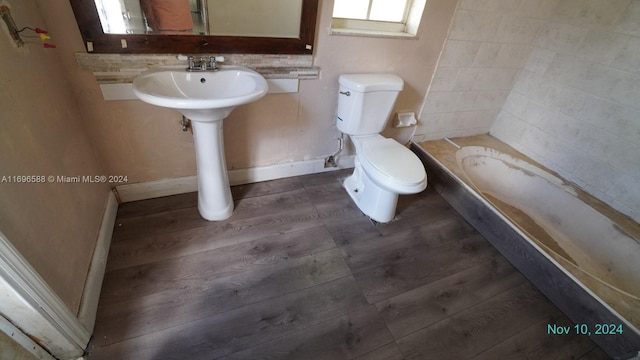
(205, 64)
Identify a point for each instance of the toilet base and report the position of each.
(375, 202)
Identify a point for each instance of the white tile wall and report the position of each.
(475, 25)
(557, 79)
(519, 30)
(539, 9)
(491, 5)
(486, 48)
(560, 37)
(459, 53)
(601, 47)
(630, 22)
(575, 106)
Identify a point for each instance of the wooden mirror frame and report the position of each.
(96, 41)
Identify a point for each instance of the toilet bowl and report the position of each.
(384, 168)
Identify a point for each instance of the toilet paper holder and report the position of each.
(405, 119)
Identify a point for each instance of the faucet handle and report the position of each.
(213, 60)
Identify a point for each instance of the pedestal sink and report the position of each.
(206, 98)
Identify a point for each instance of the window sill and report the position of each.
(372, 33)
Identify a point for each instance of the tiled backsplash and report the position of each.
(123, 68)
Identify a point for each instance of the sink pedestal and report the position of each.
(214, 194)
(206, 98)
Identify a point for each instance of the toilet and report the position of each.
(384, 168)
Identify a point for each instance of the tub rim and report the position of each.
(550, 178)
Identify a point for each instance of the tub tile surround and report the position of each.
(488, 45)
(561, 77)
(123, 68)
(575, 105)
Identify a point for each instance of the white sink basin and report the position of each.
(206, 98)
(200, 96)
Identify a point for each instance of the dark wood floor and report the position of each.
(298, 272)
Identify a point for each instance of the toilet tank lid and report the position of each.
(371, 82)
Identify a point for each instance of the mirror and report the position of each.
(152, 16)
(197, 26)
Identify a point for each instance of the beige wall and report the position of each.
(145, 142)
(53, 225)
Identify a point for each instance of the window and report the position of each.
(381, 10)
(377, 17)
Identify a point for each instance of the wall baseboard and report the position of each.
(93, 283)
(166, 187)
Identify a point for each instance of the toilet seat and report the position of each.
(392, 165)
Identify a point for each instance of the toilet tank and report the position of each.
(365, 102)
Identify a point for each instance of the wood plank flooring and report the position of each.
(298, 272)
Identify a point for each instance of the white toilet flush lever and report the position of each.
(348, 93)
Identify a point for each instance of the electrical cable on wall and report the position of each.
(17, 35)
(41, 34)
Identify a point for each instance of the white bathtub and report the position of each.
(602, 256)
